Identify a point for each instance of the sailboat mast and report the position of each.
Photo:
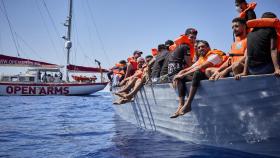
(68, 43)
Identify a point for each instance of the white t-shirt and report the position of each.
(213, 58)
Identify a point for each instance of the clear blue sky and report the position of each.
(110, 30)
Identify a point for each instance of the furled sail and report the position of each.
(75, 68)
(22, 62)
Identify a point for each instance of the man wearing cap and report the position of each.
(183, 52)
(132, 63)
(164, 69)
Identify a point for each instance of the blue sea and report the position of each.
(85, 126)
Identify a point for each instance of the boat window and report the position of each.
(21, 79)
(31, 79)
(5, 79)
(14, 79)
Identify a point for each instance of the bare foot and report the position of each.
(185, 110)
(128, 97)
(116, 102)
(120, 94)
(123, 101)
(175, 115)
(120, 101)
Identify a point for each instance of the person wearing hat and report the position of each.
(245, 10)
(164, 69)
(132, 63)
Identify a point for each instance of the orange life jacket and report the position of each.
(133, 62)
(183, 39)
(249, 6)
(238, 49)
(267, 22)
(119, 65)
(203, 59)
(118, 72)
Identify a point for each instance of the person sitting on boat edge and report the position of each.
(235, 62)
(164, 69)
(149, 62)
(159, 61)
(142, 79)
(262, 56)
(267, 22)
(208, 58)
(128, 83)
(245, 10)
(182, 52)
(116, 73)
(132, 63)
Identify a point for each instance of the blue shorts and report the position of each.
(261, 69)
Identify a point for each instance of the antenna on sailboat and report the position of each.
(100, 69)
(68, 43)
(98, 62)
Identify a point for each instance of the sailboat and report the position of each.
(44, 78)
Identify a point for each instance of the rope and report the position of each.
(48, 32)
(98, 34)
(10, 26)
(49, 14)
(32, 50)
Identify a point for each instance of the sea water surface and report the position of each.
(85, 126)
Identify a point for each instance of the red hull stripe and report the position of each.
(53, 84)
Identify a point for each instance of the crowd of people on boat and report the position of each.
(49, 78)
(254, 51)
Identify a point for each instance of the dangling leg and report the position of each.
(138, 85)
(187, 106)
(181, 86)
(127, 87)
(197, 77)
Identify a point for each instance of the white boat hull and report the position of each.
(10, 88)
(242, 115)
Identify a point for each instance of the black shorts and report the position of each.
(174, 68)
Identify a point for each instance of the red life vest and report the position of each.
(133, 62)
(154, 51)
(267, 22)
(183, 39)
(249, 6)
(238, 49)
